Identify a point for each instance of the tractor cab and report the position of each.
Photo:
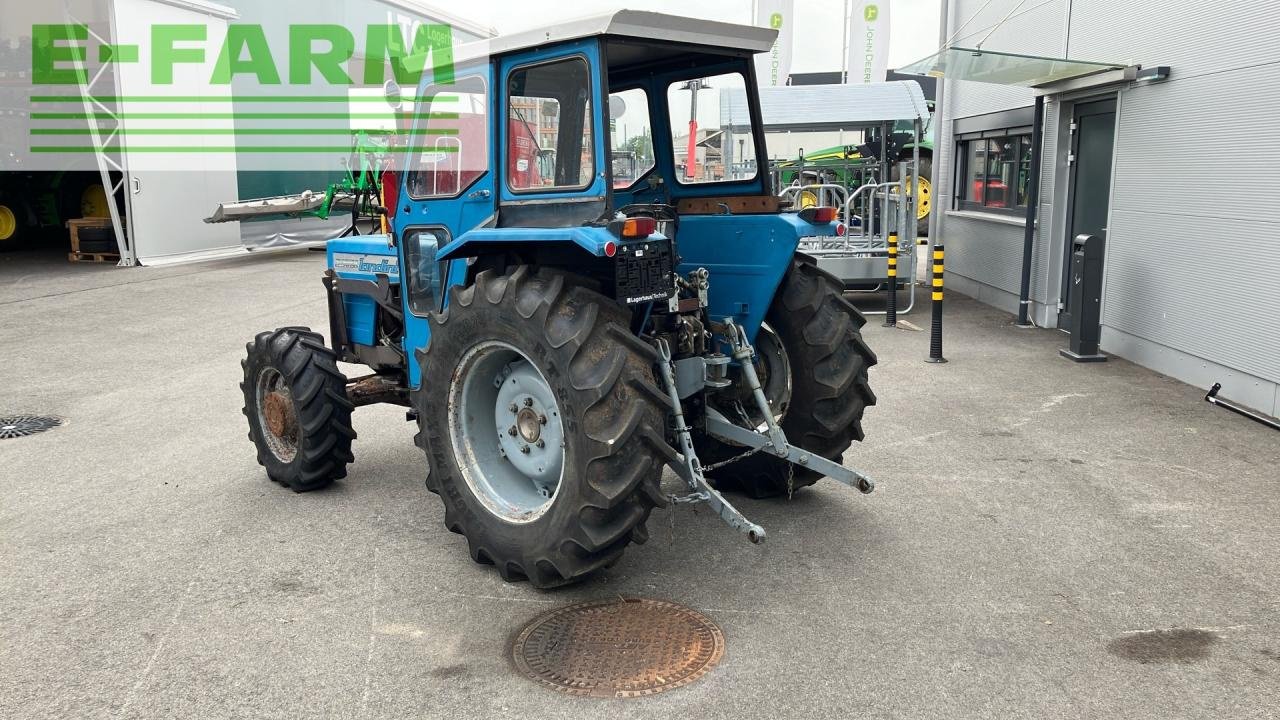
(516, 158)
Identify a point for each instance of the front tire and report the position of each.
(827, 393)
(533, 343)
(295, 398)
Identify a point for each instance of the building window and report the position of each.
(994, 171)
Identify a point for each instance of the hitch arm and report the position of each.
(689, 468)
(721, 428)
(774, 441)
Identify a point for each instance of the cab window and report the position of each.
(632, 155)
(549, 132)
(451, 140)
(708, 146)
(423, 274)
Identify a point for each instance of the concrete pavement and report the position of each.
(1046, 539)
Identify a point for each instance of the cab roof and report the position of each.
(630, 24)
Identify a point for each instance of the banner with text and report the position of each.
(153, 85)
(869, 42)
(774, 67)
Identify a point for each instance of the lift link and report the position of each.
(691, 468)
(775, 440)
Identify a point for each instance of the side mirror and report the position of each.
(394, 94)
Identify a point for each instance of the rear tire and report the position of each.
(820, 333)
(299, 416)
(575, 346)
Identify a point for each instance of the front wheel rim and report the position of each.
(507, 433)
(277, 416)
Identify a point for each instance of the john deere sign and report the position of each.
(774, 67)
(869, 43)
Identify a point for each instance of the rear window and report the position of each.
(710, 148)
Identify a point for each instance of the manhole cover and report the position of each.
(619, 648)
(16, 426)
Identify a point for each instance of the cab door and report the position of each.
(448, 189)
(553, 137)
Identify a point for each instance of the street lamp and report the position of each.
(691, 159)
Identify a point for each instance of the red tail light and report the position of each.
(641, 227)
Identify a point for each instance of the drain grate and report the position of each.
(619, 648)
(16, 426)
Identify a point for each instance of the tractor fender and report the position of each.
(484, 241)
(747, 256)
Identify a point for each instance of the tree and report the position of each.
(642, 146)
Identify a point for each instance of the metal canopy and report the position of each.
(813, 108)
(1000, 68)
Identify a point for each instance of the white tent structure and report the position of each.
(828, 107)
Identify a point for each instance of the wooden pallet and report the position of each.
(76, 254)
(93, 257)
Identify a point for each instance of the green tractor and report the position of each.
(846, 165)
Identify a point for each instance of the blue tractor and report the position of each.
(561, 336)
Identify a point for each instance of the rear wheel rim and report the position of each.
(926, 198)
(506, 431)
(277, 416)
(93, 202)
(776, 368)
(773, 367)
(8, 223)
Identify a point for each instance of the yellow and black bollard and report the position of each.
(891, 313)
(935, 333)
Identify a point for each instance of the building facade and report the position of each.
(1176, 173)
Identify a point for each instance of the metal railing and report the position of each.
(884, 212)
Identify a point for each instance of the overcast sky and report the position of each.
(820, 37)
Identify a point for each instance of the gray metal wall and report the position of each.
(984, 255)
(1192, 279)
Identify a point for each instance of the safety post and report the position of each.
(891, 313)
(935, 332)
